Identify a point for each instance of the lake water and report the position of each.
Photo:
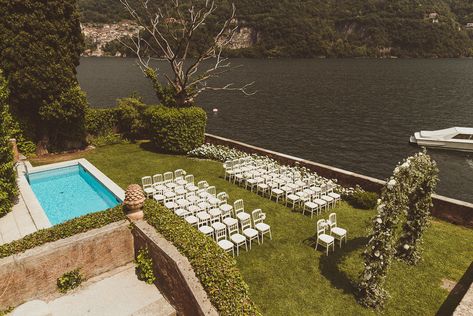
(355, 114)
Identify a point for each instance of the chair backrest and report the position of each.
(212, 190)
(246, 223)
(189, 178)
(157, 179)
(238, 206)
(320, 227)
(179, 174)
(146, 182)
(332, 218)
(189, 194)
(168, 177)
(222, 196)
(233, 228)
(220, 234)
(202, 184)
(257, 216)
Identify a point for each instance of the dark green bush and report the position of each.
(101, 122)
(64, 230)
(216, 270)
(176, 130)
(8, 187)
(362, 199)
(131, 118)
(69, 280)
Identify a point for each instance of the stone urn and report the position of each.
(134, 200)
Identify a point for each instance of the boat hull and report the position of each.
(447, 145)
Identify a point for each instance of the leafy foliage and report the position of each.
(69, 280)
(75, 226)
(215, 269)
(8, 187)
(144, 266)
(338, 28)
(362, 199)
(408, 193)
(40, 46)
(176, 130)
(217, 152)
(131, 118)
(101, 122)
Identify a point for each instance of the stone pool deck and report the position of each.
(23, 220)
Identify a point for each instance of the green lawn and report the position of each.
(286, 275)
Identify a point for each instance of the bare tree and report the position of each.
(173, 31)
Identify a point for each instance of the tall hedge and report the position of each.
(176, 130)
(216, 270)
(40, 46)
(8, 188)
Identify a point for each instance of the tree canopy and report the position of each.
(40, 46)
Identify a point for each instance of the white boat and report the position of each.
(455, 138)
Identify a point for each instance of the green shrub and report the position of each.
(69, 280)
(131, 118)
(362, 199)
(8, 187)
(216, 270)
(144, 266)
(64, 230)
(100, 122)
(104, 140)
(176, 130)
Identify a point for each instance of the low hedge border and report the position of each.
(75, 226)
(216, 270)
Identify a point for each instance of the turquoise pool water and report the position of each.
(70, 192)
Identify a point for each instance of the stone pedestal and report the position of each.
(16, 153)
(134, 202)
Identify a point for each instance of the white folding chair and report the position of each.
(322, 238)
(258, 222)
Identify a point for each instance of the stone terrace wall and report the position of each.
(33, 274)
(175, 277)
(454, 211)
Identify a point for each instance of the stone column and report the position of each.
(16, 154)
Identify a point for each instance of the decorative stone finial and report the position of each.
(134, 201)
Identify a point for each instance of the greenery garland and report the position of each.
(407, 192)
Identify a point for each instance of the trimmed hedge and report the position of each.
(176, 130)
(216, 270)
(75, 226)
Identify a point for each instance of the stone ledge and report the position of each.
(175, 276)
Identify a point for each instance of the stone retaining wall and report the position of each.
(33, 274)
(175, 277)
(454, 211)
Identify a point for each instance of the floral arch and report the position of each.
(406, 199)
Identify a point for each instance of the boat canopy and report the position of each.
(447, 133)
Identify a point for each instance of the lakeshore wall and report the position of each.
(33, 274)
(451, 210)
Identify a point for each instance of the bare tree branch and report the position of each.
(169, 31)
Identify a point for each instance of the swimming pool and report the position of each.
(70, 191)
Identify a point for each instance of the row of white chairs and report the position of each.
(208, 211)
(334, 233)
(277, 182)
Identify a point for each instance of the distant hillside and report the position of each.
(339, 28)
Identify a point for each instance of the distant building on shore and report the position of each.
(469, 25)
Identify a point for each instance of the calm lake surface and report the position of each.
(355, 114)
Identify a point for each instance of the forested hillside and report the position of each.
(342, 28)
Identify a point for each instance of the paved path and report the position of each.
(16, 224)
(120, 294)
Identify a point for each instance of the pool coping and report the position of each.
(35, 209)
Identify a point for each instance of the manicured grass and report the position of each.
(286, 275)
